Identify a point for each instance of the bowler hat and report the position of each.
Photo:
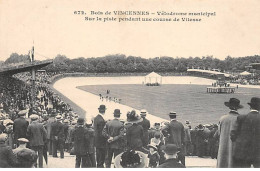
(255, 103)
(233, 103)
(117, 113)
(172, 113)
(102, 108)
(81, 121)
(170, 149)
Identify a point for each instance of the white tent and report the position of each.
(153, 78)
(245, 73)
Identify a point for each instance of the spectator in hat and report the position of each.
(114, 132)
(187, 138)
(247, 137)
(175, 133)
(48, 128)
(7, 157)
(100, 140)
(22, 145)
(200, 140)
(70, 130)
(58, 137)
(171, 151)
(135, 132)
(226, 124)
(146, 126)
(91, 143)
(20, 126)
(80, 144)
(37, 136)
(8, 123)
(153, 156)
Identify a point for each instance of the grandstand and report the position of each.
(24, 67)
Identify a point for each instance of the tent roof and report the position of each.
(153, 74)
(208, 72)
(245, 73)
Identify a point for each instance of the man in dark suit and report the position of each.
(171, 151)
(37, 137)
(48, 128)
(20, 126)
(247, 137)
(58, 137)
(100, 140)
(114, 132)
(79, 138)
(175, 133)
(146, 126)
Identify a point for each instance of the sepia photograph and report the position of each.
(129, 84)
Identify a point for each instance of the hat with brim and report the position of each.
(143, 112)
(34, 117)
(152, 146)
(24, 140)
(172, 113)
(133, 117)
(22, 113)
(102, 108)
(170, 149)
(143, 164)
(200, 127)
(254, 103)
(233, 103)
(81, 121)
(58, 117)
(117, 113)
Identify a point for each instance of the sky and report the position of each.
(53, 28)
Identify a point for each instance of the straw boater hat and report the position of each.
(172, 113)
(233, 103)
(133, 117)
(143, 112)
(58, 117)
(255, 103)
(24, 140)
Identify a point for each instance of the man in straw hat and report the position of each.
(114, 132)
(247, 137)
(58, 137)
(20, 126)
(226, 124)
(175, 133)
(100, 140)
(171, 151)
(146, 126)
(37, 136)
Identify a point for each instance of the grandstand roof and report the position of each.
(208, 72)
(24, 67)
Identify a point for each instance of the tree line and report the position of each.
(120, 63)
